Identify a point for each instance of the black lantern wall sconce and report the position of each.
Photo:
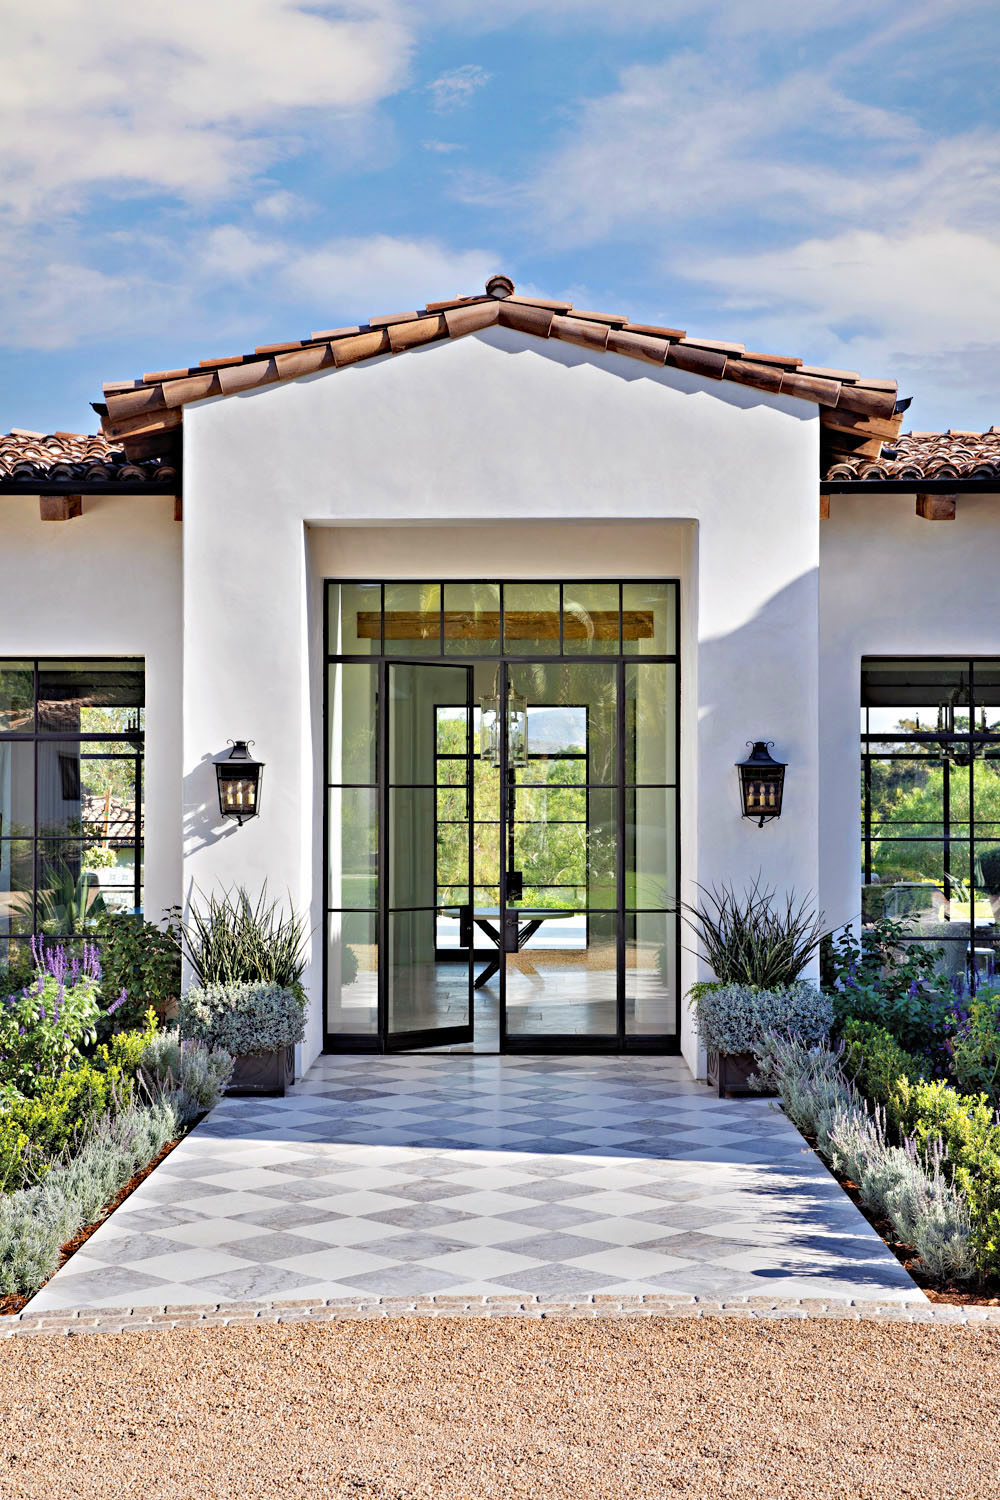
(762, 782)
(240, 779)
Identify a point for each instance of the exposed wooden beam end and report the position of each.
(936, 507)
(60, 507)
(178, 508)
(824, 507)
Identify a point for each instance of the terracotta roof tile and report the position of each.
(31, 460)
(856, 414)
(926, 455)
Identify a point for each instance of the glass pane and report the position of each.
(564, 980)
(424, 994)
(650, 723)
(649, 619)
(909, 685)
(412, 619)
(590, 619)
(423, 856)
(650, 974)
(16, 883)
(17, 788)
(986, 796)
(352, 973)
(567, 863)
(95, 697)
(17, 697)
(908, 795)
(486, 855)
(427, 714)
(452, 804)
(353, 847)
(352, 722)
(471, 619)
(650, 847)
(572, 710)
(69, 894)
(531, 619)
(354, 614)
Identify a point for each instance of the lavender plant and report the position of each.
(54, 1018)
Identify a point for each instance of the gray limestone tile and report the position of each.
(295, 1191)
(555, 1281)
(250, 1283)
(550, 1216)
(426, 1192)
(556, 1247)
(81, 1290)
(698, 1247)
(157, 1217)
(126, 1248)
(552, 1191)
(402, 1281)
(267, 1248)
(410, 1247)
(288, 1216)
(419, 1216)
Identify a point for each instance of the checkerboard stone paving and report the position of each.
(465, 1175)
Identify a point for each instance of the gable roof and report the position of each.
(145, 415)
(55, 461)
(949, 460)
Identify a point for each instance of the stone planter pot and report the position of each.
(730, 1072)
(264, 1073)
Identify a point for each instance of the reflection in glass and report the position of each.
(650, 848)
(412, 621)
(354, 614)
(91, 697)
(352, 973)
(563, 981)
(650, 722)
(423, 993)
(17, 788)
(590, 619)
(572, 710)
(352, 722)
(17, 697)
(428, 723)
(649, 619)
(16, 885)
(353, 851)
(471, 619)
(650, 973)
(531, 619)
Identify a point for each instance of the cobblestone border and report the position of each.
(76, 1321)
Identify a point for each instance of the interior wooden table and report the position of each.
(522, 922)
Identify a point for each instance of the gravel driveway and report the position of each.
(422, 1409)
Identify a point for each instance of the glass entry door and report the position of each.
(428, 798)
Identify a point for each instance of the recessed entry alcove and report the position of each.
(501, 815)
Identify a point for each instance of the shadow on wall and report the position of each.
(761, 681)
(204, 825)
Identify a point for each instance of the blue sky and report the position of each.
(187, 180)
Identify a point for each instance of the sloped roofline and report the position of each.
(145, 416)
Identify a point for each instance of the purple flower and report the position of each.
(116, 1003)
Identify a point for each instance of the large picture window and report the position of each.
(930, 738)
(71, 756)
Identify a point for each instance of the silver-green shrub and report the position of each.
(739, 1018)
(900, 1183)
(191, 1075)
(243, 1018)
(36, 1222)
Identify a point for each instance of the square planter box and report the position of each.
(730, 1072)
(264, 1073)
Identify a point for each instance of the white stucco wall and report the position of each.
(108, 584)
(890, 584)
(505, 428)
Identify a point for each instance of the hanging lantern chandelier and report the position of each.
(490, 715)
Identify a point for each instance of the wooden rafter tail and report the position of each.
(519, 625)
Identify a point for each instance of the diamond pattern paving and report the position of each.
(484, 1176)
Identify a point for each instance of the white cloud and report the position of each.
(281, 205)
(442, 148)
(183, 98)
(379, 274)
(456, 87)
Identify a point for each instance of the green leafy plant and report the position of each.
(243, 1018)
(876, 1062)
(975, 1044)
(752, 939)
(36, 1131)
(142, 961)
(239, 940)
(70, 903)
(882, 978)
(735, 1018)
